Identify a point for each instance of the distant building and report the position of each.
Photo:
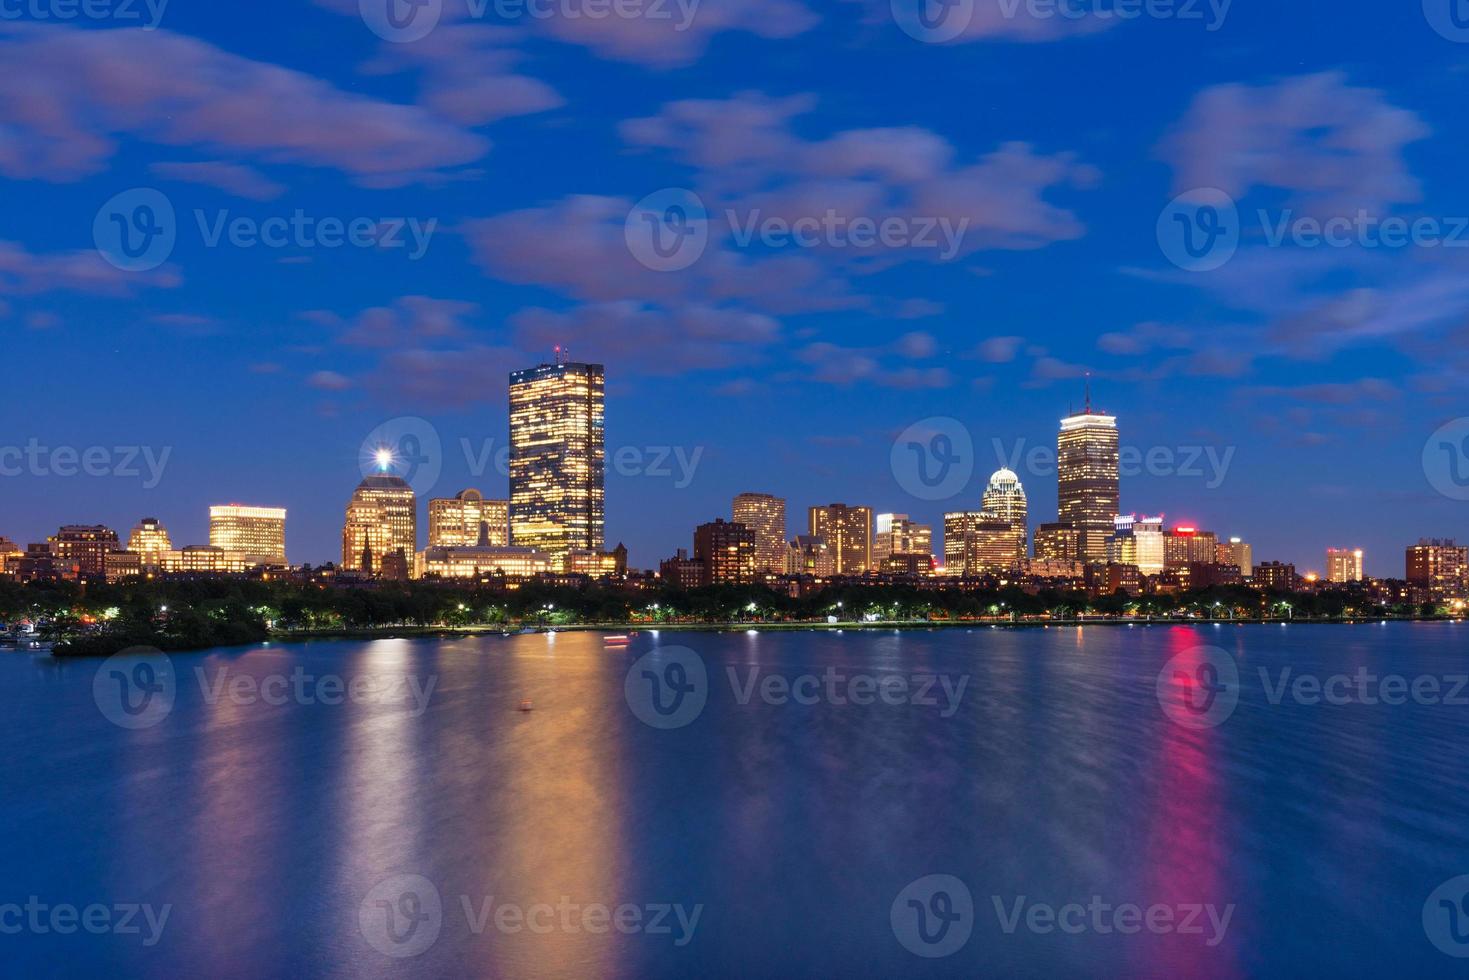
(558, 458)
(976, 542)
(1439, 569)
(848, 532)
(382, 524)
(810, 554)
(1088, 486)
(681, 571)
(1276, 575)
(1238, 553)
(765, 515)
(897, 535)
(481, 560)
(467, 518)
(725, 552)
(80, 550)
(123, 565)
(149, 540)
(1185, 546)
(256, 534)
(1059, 542)
(909, 564)
(205, 560)
(1004, 500)
(1344, 565)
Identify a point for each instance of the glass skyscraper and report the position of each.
(558, 458)
(1088, 490)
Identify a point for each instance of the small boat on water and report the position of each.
(620, 640)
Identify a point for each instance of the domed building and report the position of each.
(1004, 499)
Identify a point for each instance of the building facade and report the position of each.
(1344, 565)
(725, 552)
(467, 518)
(848, 532)
(150, 541)
(558, 458)
(1239, 553)
(1439, 569)
(1088, 483)
(765, 515)
(80, 550)
(256, 534)
(381, 531)
(976, 542)
(1004, 500)
(1059, 542)
(896, 535)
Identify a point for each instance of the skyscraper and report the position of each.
(976, 542)
(1088, 490)
(558, 458)
(1237, 551)
(254, 534)
(381, 530)
(1004, 500)
(848, 532)
(459, 521)
(149, 539)
(765, 515)
(897, 535)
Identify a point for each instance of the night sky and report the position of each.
(521, 143)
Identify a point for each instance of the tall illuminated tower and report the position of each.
(558, 458)
(1088, 488)
(256, 534)
(848, 531)
(382, 523)
(765, 514)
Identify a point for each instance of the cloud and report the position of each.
(848, 366)
(232, 178)
(67, 95)
(1334, 147)
(999, 350)
(328, 381)
(408, 322)
(23, 273)
(650, 340)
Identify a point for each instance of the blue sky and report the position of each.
(1318, 372)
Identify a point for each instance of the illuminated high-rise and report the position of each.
(764, 514)
(848, 532)
(255, 534)
(1344, 565)
(1004, 500)
(1088, 485)
(898, 535)
(381, 530)
(977, 542)
(466, 519)
(1237, 551)
(150, 540)
(558, 458)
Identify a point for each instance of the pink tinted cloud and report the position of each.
(1334, 146)
(663, 341)
(67, 96)
(232, 178)
(24, 273)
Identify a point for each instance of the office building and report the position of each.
(725, 552)
(558, 458)
(896, 535)
(976, 542)
(1344, 565)
(1059, 542)
(765, 515)
(809, 554)
(149, 539)
(1004, 500)
(1185, 546)
(1276, 575)
(1239, 553)
(255, 534)
(380, 535)
(848, 532)
(467, 518)
(1088, 483)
